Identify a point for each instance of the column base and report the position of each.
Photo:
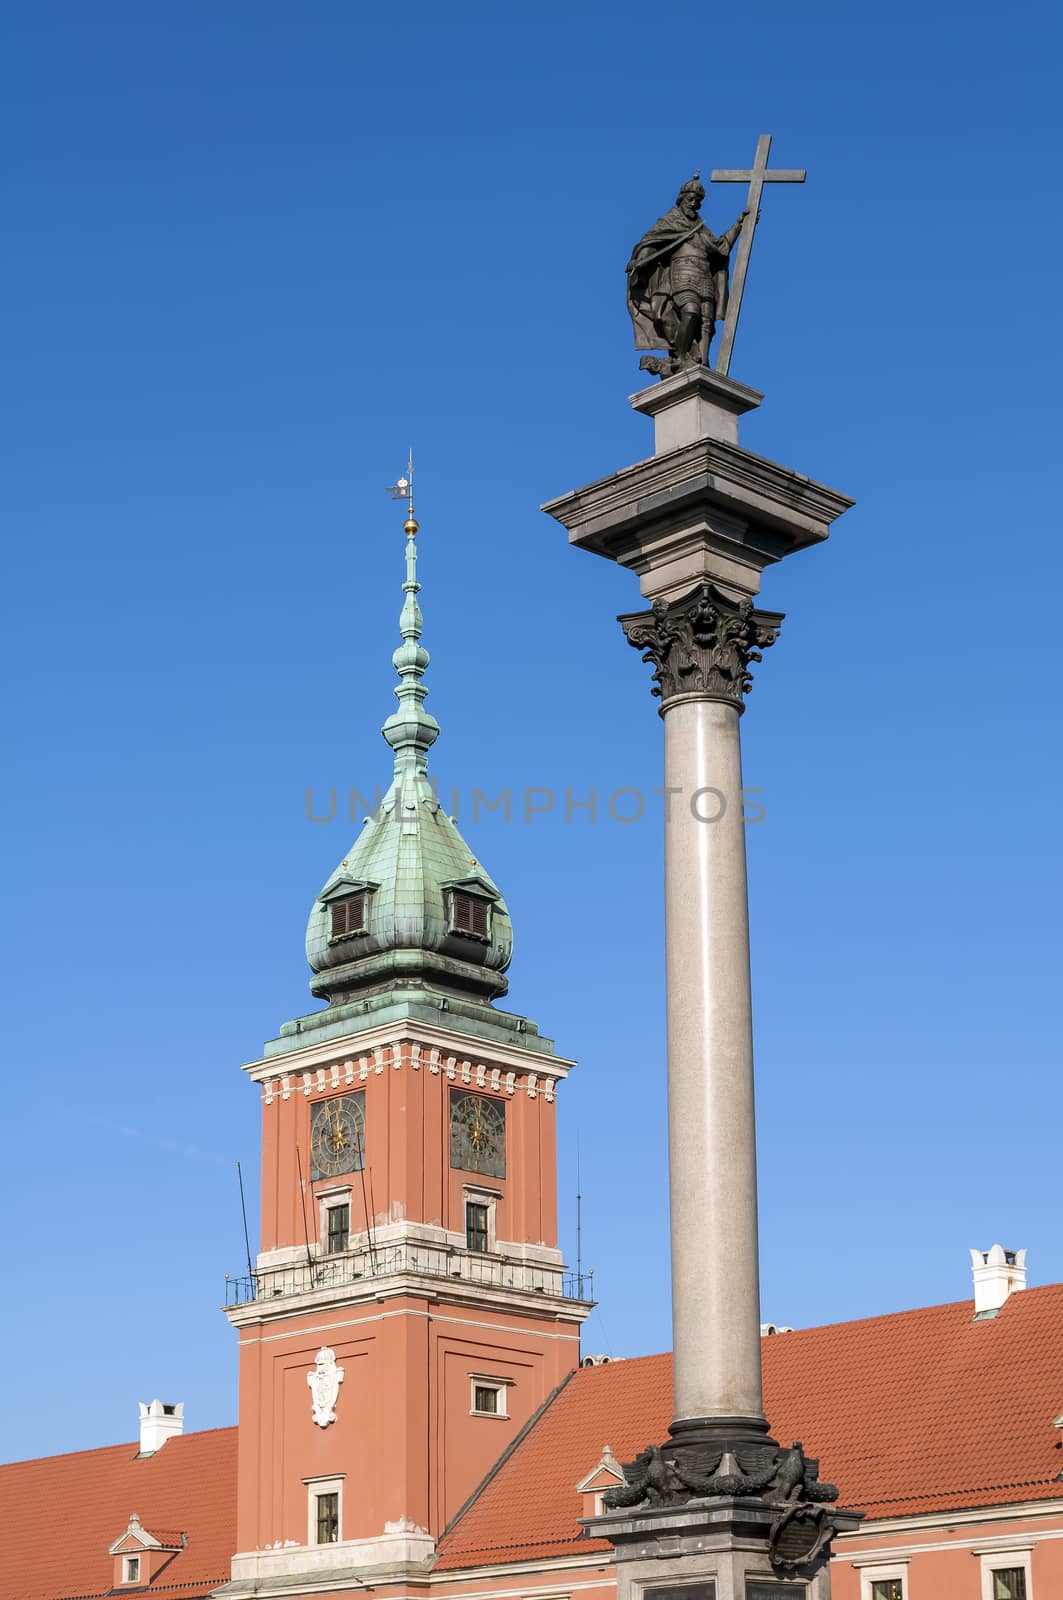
(724, 1478)
(707, 1434)
(726, 1549)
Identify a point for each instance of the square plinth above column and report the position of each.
(706, 510)
(695, 404)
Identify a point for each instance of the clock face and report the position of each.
(337, 1136)
(478, 1134)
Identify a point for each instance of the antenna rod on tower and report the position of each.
(579, 1225)
(302, 1208)
(247, 1236)
(372, 1205)
(368, 1223)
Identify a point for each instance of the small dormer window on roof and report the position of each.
(347, 903)
(469, 903)
(347, 916)
(470, 915)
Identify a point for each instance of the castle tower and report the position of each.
(409, 1310)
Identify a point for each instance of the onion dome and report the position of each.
(409, 906)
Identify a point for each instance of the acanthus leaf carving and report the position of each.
(703, 644)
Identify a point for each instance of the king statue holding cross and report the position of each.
(677, 285)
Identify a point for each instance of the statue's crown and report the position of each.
(694, 185)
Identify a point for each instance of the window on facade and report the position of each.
(132, 1569)
(339, 1228)
(348, 915)
(1009, 1583)
(328, 1518)
(485, 1399)
(475, 1225)
(469, 915)
(887, 1589)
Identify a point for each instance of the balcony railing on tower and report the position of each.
(409, 1258)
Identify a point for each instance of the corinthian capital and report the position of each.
(701, 646)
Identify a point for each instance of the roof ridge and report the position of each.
(915, 1311)
(851, 1322)
(123, 1444)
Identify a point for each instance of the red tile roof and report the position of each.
(921, 1411)
(60, 1514)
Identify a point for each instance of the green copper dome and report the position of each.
(410, 906)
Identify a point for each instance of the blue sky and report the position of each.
(254, 252)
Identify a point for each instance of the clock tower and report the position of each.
(409, 1310)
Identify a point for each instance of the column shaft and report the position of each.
(712, 1142)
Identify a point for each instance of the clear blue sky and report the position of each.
(254, 252)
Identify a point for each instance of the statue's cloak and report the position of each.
(649, 281)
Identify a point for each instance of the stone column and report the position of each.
(719, 1506)
(701, 648)
(711, 1143)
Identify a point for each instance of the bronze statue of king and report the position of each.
(677, 284)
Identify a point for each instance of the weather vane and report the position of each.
(403, 490)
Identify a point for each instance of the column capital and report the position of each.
(702, 644)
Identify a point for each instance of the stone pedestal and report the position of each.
(717, 1552)
(696, 404)
(701, 508)
(719, 1508)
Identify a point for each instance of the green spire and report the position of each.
(411, 730)
(410, 908)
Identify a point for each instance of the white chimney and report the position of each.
(158, 1423)
(997, 1273)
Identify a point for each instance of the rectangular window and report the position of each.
(339, 1229)
(328, 1518)
(348, 915)
(485, 1399)
(888, 1589)
(132, 1569)
(475, 1226)
(1009, 1583)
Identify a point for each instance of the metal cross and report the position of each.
(756, 179)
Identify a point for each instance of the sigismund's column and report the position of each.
(701, 648)
(719, 1501)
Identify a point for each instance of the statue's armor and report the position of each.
(690, 269)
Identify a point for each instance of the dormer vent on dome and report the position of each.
(409, 906)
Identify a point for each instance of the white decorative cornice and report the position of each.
(332, 1068)
(445, 1041)
(1014, 1511)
